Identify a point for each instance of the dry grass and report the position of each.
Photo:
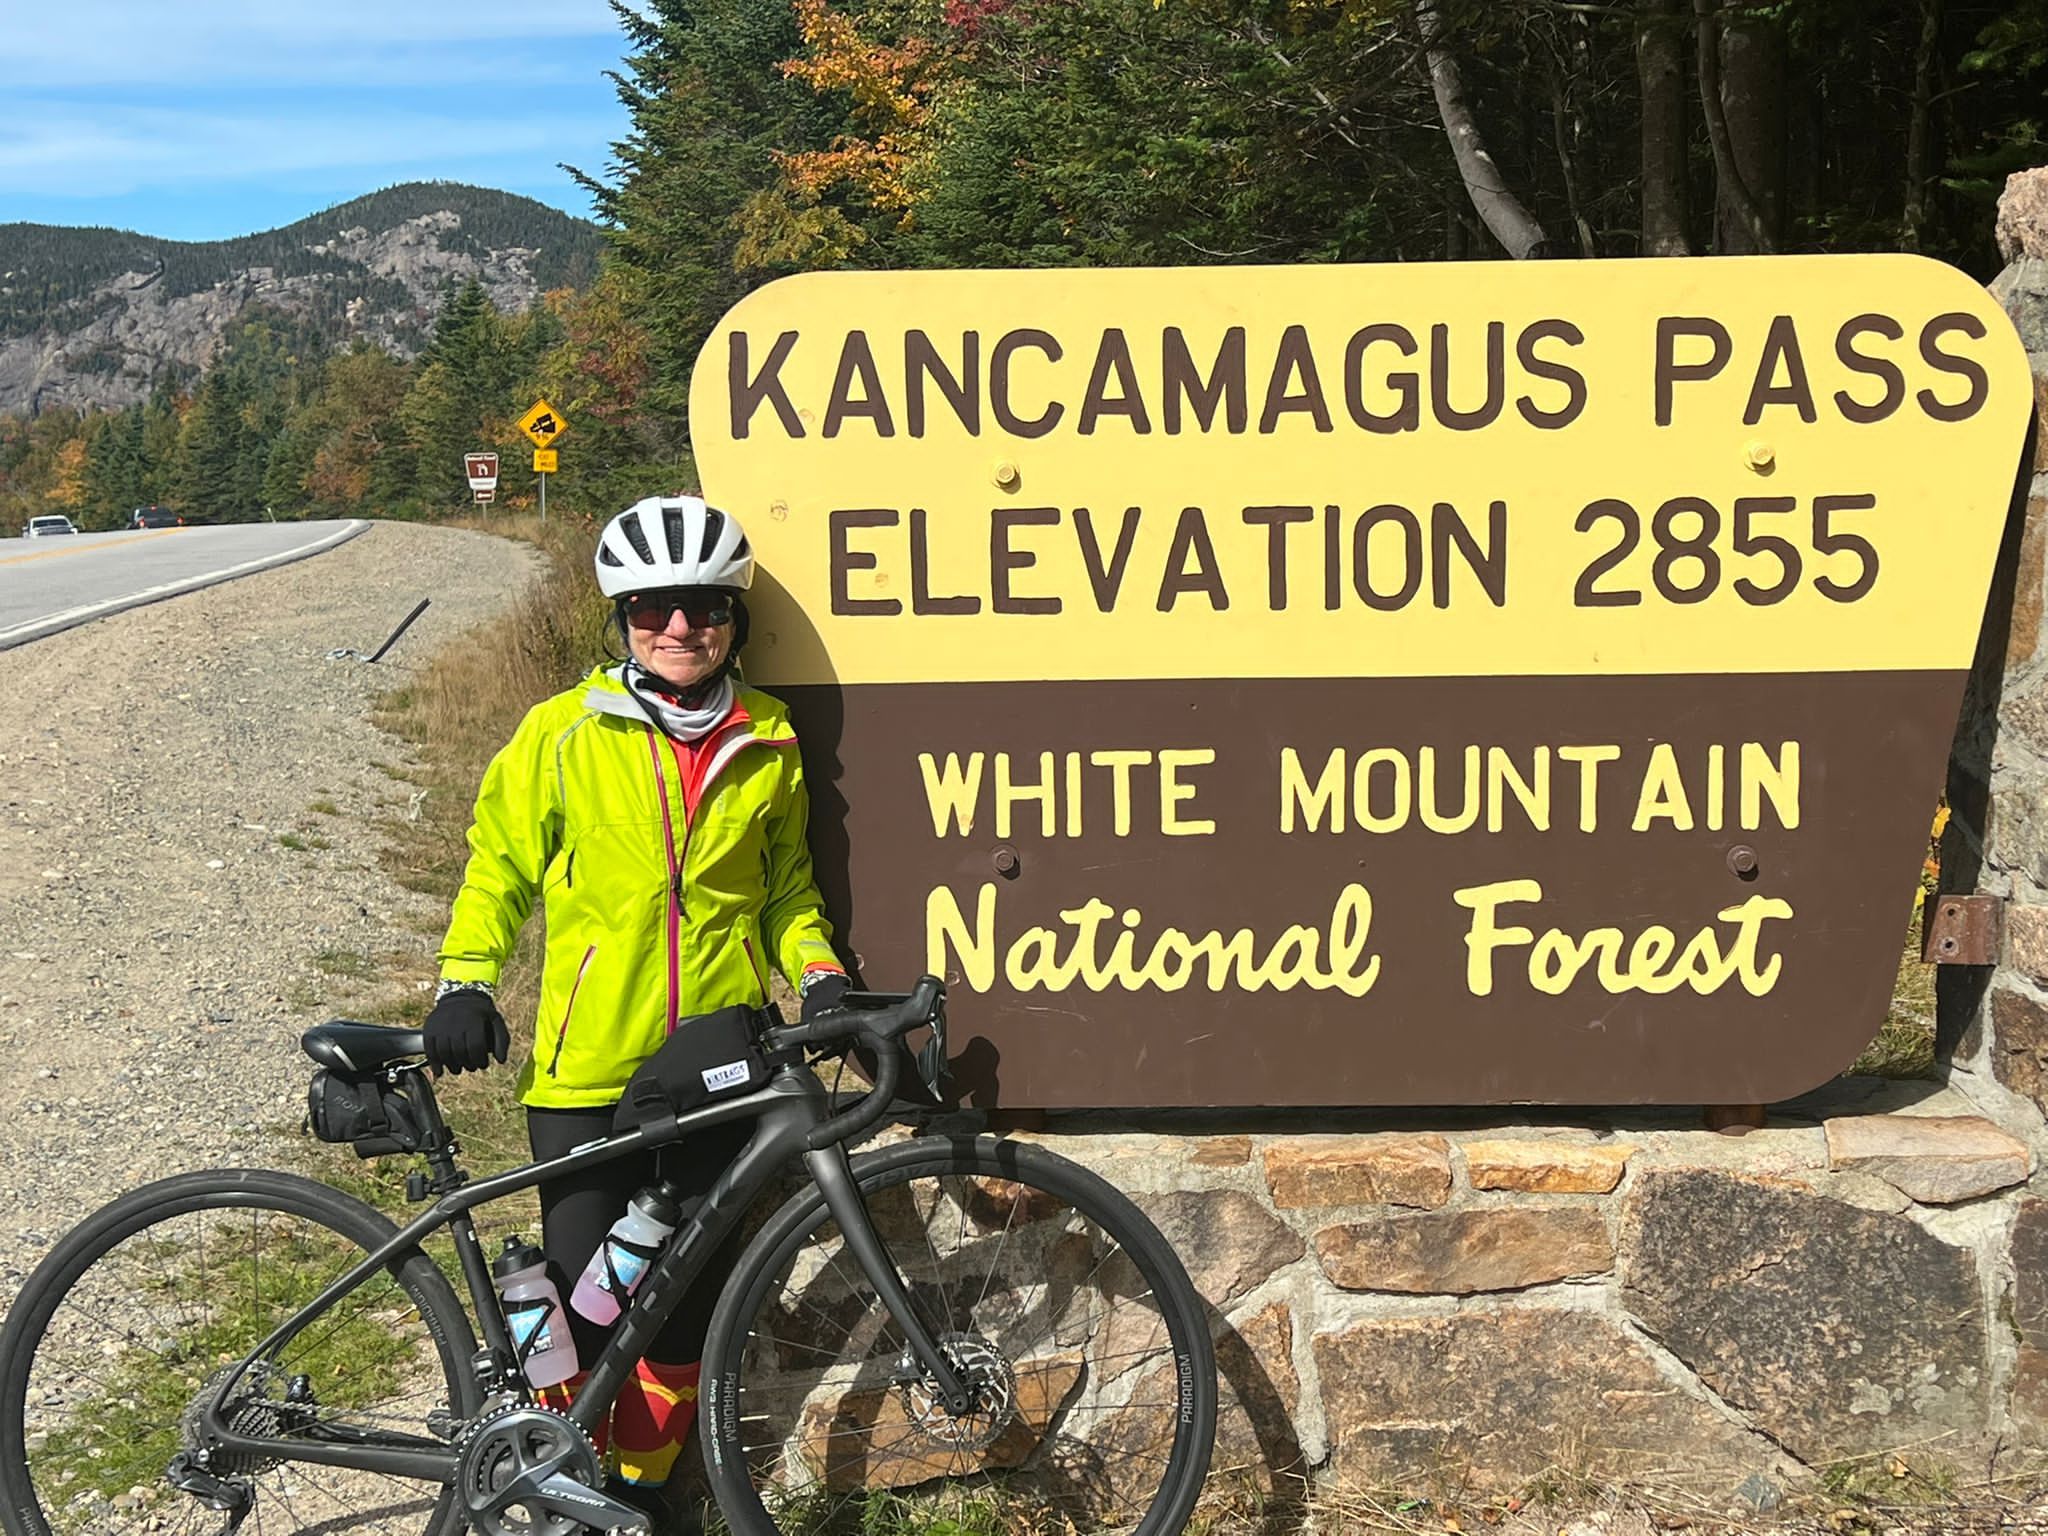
(1904, 1046)
(455, 715)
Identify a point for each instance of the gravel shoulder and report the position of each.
(192, 798)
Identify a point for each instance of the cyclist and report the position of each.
(658, 811)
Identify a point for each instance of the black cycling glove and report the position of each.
(822, 991)
(464, 1031)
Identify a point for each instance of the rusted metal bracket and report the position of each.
(1962, 930)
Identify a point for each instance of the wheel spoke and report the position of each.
(1053, 1318)
(131, 1329)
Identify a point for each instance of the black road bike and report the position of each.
(950, 1335)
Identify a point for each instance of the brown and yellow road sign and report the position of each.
(542, 423)
(1374, 684)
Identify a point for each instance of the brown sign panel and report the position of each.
(1356, 685)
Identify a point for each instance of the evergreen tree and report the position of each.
(116, 472)
(162, 422)
(710, 107)
(210, 447)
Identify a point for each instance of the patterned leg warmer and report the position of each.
(562, 1394)
(652, 1419)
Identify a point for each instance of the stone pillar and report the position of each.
(1993, 1022)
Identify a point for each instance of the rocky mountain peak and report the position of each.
(96, 317)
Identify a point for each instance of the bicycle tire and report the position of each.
(113, 1279)
(795, 1442)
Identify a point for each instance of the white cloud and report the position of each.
(282, 42)
(109, 153)
(108, 98)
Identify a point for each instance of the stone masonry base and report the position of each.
(1483, 1303)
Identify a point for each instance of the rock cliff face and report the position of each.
(94, 318)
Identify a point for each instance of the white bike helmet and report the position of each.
(673, 541)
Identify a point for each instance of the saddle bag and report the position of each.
(707, 1056)
(368, 1113)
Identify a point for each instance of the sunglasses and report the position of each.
(700, 610)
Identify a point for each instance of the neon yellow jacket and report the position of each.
(652, 913)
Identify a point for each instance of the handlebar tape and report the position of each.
(882, 1034)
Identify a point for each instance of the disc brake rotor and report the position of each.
(988, 1374)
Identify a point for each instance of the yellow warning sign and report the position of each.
(543, 423)
(544, 460)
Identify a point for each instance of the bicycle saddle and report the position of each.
(349, 1046)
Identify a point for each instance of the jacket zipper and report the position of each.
(676, 860)
(675, 886)
(569, 1012)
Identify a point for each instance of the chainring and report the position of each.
(504, 1443)
(994, 1382)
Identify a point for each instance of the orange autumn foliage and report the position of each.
(895, 88)
(67, 485)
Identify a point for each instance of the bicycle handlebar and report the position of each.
(879, 1028)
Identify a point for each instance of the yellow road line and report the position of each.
(73, 549)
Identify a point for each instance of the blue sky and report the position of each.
(215, 118)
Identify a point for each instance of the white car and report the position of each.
(45, 527)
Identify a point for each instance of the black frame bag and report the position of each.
(707, 1056)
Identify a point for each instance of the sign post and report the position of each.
(482, 470)
(1374, 685)
(542, 424)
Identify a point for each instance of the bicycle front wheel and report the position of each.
(138, 1315)
(1070, 1317)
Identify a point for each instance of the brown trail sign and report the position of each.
(1340, 685)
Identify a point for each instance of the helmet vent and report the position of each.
(673, 529)
(673, 541)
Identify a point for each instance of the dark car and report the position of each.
(155, 517)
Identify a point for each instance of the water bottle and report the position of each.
(533, 1313)
(621, 1260)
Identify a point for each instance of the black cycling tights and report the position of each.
(577, 1210)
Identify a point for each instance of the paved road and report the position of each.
(49, 585)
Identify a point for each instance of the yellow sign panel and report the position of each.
(1745, 465)
(542, 423)
(1523, 682)
(545, 460)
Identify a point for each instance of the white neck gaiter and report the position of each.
(691, 723)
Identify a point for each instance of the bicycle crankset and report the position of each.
(991, 1378)
(527, 1471)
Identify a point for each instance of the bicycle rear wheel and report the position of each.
(146, 1305)
(1068, 1313)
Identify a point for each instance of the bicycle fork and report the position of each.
(718, 1216)
(832, 1171)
